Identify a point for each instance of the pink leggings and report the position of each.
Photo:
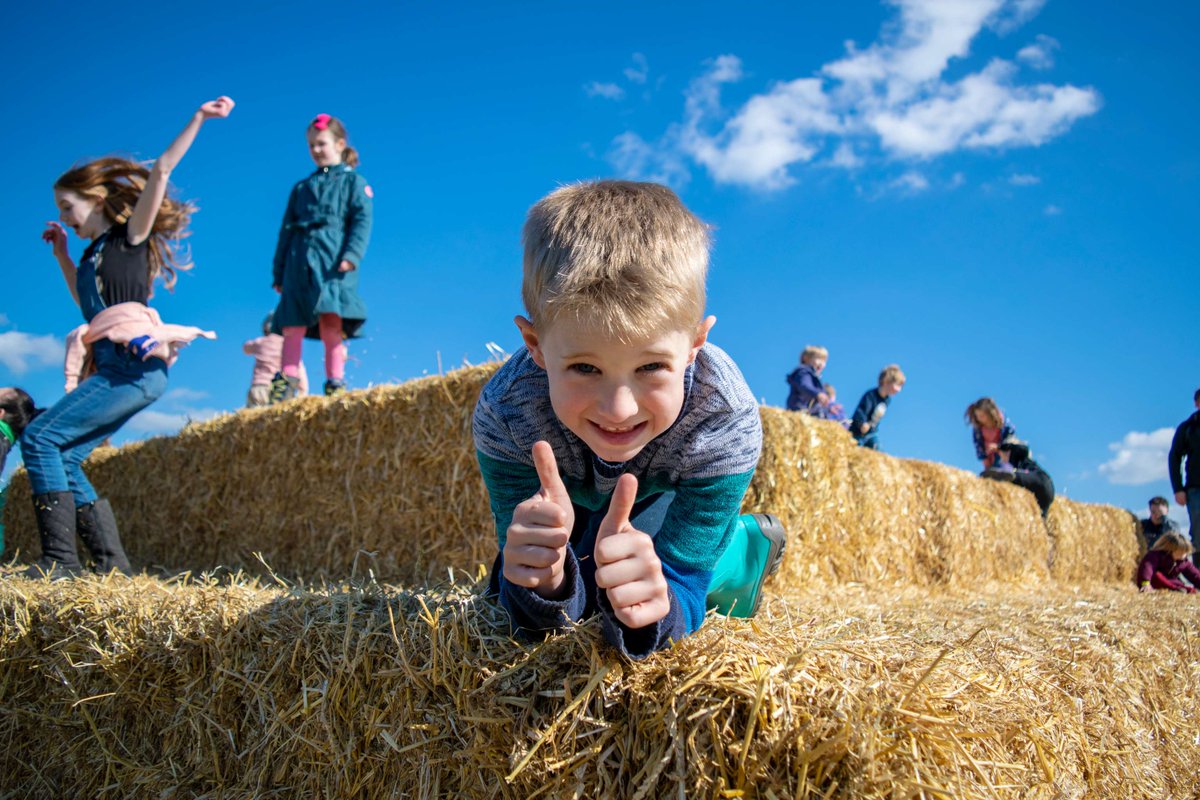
(331, 336)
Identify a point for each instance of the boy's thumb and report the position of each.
(547, 469)
(619, 507)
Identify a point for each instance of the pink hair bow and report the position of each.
(322, 121)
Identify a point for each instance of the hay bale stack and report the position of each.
(863, 516)
(152, 689)
(1093, 542)
(386, 480)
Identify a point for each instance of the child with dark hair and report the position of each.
(989, 427)
(1165, 562)
(1158, 522)
(16, 410)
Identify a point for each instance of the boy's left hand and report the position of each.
(627, 568)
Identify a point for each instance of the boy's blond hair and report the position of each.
(891, 374)
(626, 258)
(812, 351)
(1175, 542)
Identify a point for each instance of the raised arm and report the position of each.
(141, 222)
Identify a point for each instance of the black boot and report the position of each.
(98, 528)
(55, 512)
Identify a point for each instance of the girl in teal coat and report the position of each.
(321, 246)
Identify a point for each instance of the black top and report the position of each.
(122, 269)
(1185, 445)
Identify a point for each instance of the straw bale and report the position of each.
(860, 515)
(1093, 542)
(152, 689)
(386, 480)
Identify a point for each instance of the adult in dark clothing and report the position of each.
(1186, 446)
(1158, 522)
(1025, 472)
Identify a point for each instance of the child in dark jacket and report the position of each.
(864, 425)
(1165, 562)
(805, 391)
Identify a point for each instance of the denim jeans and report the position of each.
(55, 444)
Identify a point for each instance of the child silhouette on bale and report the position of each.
(989, 427)
(618, 444)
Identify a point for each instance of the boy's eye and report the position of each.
(653, 366)
(584, 369)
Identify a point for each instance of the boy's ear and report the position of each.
(701, 336)
(532, 343)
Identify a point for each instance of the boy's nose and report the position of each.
(619, 404)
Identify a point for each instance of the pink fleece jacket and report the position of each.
(267, 351)
(121, 324)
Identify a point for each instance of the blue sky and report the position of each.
(999, 195)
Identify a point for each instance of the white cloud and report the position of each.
(637, 159)
(153, 422)
(1052, 210)
(183, 395)
(1040, 54)
(639, 71)
(1024, 180)
(910, 182)
(982, 111)
(889, 99)
(20, 352)
(845, 157)
(1139, 458)
(609, 91)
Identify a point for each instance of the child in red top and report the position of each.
(1165, 562)
(988, 428)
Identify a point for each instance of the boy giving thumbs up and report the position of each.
(618, 443)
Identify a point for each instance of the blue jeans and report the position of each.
(55, 444)
(869, 440)
(1193, 507)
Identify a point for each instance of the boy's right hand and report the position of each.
(536, 547)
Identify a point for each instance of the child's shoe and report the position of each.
(55, 513)
(334, 387)
(97, 526)
(754, 554)
(284, 387)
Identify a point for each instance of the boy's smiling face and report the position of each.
(615, 396)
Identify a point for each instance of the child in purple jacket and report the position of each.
(1165, 562)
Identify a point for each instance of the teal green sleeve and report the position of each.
(699, 522)
(508, 484)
